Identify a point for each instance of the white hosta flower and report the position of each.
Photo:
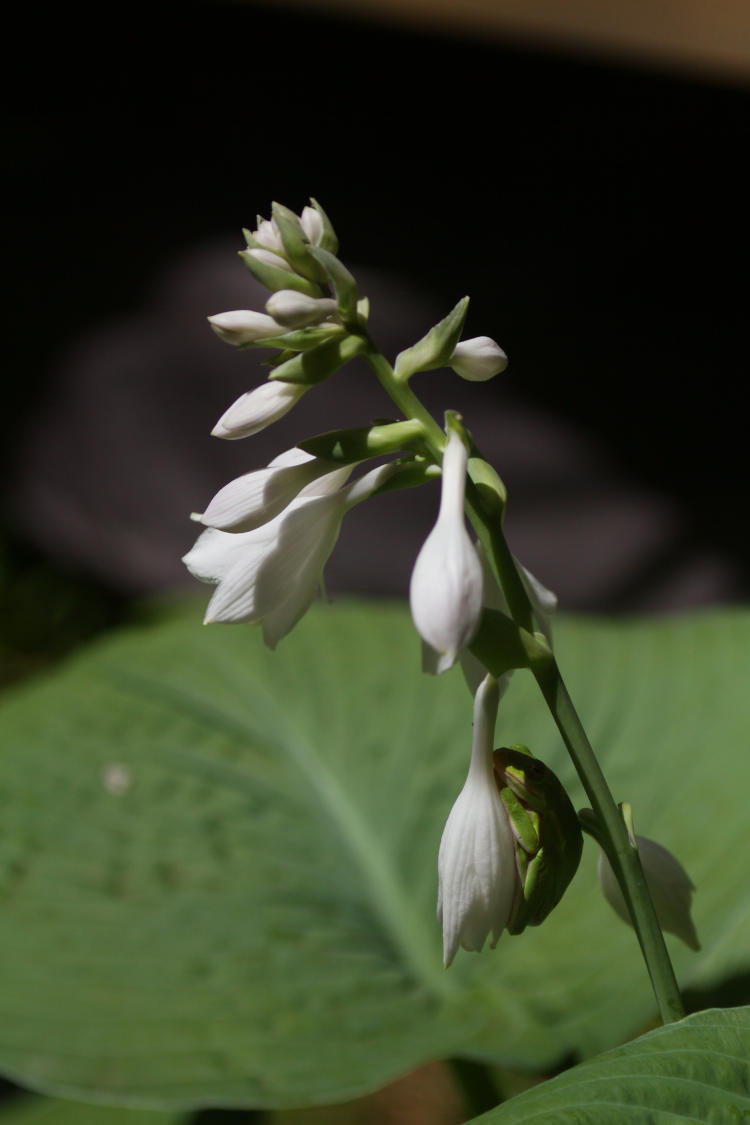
(477, 860)
(256, 409)
(297, 310)
(255, 498)
(312, 225)
(271, 575)
(242, 326)
(478, 359)
(669, 884)
(445, 592)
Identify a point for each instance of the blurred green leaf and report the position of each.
(51, 1111)
(217, 863)
(695, 1070)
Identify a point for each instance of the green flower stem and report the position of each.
(405, 399)
(623, 857)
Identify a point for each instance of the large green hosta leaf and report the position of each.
(217, 863)
(697, 1070)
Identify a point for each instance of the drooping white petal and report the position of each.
(256, 409)
(256, 497)
(478, 359)
(669, 884)
(243, 326)
(445, 592)
(308, 536)
(476, 863)
(270, 574)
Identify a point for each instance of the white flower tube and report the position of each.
(242, 326)
(270, 575)
(255, 498)
(478, 359)
(477, 869)
(668, 883)
(445, 592)
(257, 409)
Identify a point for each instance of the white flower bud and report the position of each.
(445, 592)
(268, 236)
(297, 310)
(478, 359)
(312, 225)
(244, 327)
(668, 883)
(477, 869)
(270, 259)
(257, 409)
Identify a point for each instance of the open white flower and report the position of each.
(478, 359)
(256, 409)
(445, 591)
(271, 575)
(477, 867)
(668, 883)
(255, 498)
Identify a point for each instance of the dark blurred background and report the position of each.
(587, 187)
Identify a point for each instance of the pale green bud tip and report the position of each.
(478, 359)
(668, 883)
(298, 310)
(244, 326)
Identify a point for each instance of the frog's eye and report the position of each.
(534, 769)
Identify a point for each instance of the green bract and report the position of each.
(434, 349)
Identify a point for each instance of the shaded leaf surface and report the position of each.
(218, 864)
(694, 1071)
(52, 1111)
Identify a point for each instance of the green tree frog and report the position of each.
(547, 834)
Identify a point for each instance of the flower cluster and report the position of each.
(512, 840)
(270, 532)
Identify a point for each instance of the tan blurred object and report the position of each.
(694, 35)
